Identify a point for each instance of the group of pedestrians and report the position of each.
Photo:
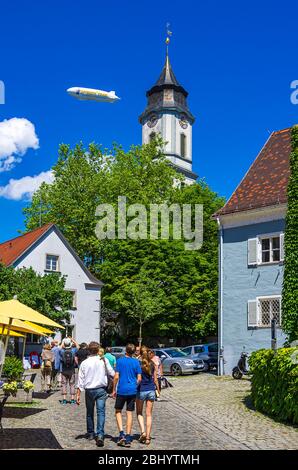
(134, 381)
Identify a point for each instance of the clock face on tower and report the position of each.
(183, 122)
(152, 120)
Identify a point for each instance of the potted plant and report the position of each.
(17, 389)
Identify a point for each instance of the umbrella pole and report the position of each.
(24, 345)
(6, 344)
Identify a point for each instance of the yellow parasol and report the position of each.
(4, 332)
(16, 310)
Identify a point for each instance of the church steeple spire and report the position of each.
(167, 114)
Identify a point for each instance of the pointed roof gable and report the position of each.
(12, 250)
(265, 183)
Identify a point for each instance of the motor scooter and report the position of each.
(242, 367)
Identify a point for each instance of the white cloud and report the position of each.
(17, 135)
(23, 188)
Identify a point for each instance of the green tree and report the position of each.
(46, 294)
(290, 282)
(86, 178)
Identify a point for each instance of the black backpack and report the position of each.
(67, 360)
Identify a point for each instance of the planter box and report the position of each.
(22, 397)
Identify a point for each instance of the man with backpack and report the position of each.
(67, 354)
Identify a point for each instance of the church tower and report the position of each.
(167, 114)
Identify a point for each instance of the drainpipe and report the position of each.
(220, 300)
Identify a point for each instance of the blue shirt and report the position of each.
(57, 360)
(147, 383)
(128, 369)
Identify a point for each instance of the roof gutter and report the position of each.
(220, 300)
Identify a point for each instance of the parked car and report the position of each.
(118, 351)
(206, 352)
(177, 362)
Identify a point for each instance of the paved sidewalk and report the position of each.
(199, 412)
(223, 403)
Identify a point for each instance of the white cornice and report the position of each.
(253, 216)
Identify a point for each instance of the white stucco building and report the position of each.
(46, 250)
(168, 115)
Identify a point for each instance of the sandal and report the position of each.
(142, 438)
(148, 441)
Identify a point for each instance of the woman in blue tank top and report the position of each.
(146, 393)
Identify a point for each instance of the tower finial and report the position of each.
(169, 34)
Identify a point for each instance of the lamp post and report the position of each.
(273, 335)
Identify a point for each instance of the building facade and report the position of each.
(251, 254)
(167, 114)
(46, 250)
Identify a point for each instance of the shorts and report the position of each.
(149, 395)
(128, 399)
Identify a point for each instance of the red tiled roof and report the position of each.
(265, 183)
(12, 249)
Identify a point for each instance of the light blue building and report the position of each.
(251, 238)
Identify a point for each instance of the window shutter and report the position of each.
(282, 251)
(252, 251)
(252, 313)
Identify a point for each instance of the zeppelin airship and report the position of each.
(92, 94)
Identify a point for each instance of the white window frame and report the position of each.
(268, 297)
(58, 263)
(75, 304)
(269, 236)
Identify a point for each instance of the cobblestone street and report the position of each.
(199, 412)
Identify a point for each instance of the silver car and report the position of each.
(118, 351)
(176, 362)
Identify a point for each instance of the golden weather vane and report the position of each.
(169, 34)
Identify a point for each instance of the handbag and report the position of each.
(110, 386)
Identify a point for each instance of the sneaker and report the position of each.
(99, 441)
(90, 436)
(73, 402)
(121, 439)
(63, 402)
(128, 440)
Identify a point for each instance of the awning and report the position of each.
(16, 310)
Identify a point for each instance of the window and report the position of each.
(183, 145)
(74, 298)
(187, 350)
(270, 249)
(199, 349)
(268, 310)
(265, 249)
(264, 309)
(52, 263)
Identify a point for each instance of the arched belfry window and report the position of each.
(152, 136)
(183, 145)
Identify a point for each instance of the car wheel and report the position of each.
(176, 370)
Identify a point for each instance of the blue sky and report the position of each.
(236, 60)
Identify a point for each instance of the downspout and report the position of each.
(220, 300)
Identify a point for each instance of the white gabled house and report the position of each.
(46, 250)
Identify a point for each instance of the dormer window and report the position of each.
(52, 263)
(183, 145)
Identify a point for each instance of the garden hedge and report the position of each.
(274, 378)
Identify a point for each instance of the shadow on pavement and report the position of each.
(28, 438)
(20, 413)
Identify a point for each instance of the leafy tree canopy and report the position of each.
(187, 280)
(46, 294)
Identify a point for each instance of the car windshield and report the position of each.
(175, 353)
